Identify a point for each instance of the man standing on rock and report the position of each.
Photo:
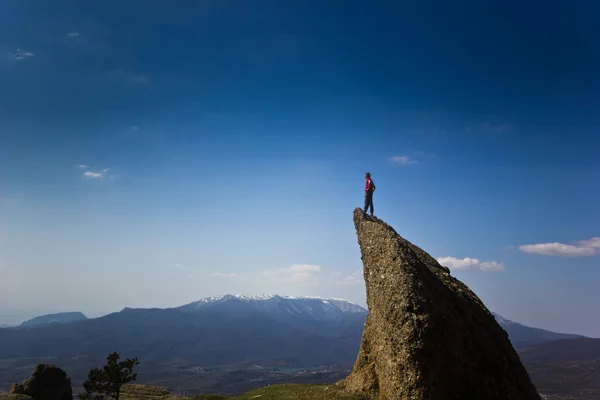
(369, 189)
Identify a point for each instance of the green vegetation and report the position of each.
(299, 392)
(131, 392)
(275, 392)
(112, 380)
(107, 381)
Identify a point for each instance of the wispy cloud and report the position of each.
(20, 54)
(583, 248)
(355, 278)
(495, 128)
(299, 273)
(231, 275)
(134, 128)
(73, 34)
(180, 267)
(593, 243)
(470, 264)
(403, 160)
(96, 175)
(82, 166)
(128, 77)
(488, 127)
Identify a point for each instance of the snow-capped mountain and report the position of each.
(504, 323)
(523, 336)
(310, 307)
(218, 331)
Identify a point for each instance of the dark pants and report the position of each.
(369, 201)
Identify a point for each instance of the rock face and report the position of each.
(427, 336)
(48, 382)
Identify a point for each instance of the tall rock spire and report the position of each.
(427, 336)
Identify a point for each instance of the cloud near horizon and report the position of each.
(470, 264)
(583, 248)
(231, 275)
(298, 273)
(354, 278)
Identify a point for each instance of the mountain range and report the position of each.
(523, 336)
(273, 330)
(257, 317)
(239, 331)
(270, 329)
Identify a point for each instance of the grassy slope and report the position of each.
(275, 392)
(298, 392)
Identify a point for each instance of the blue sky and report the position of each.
(154, 153)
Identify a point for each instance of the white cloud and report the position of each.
(231, 275)
(83, 166)
(180, 267)
(470, 264)
(134, 128)
(20, 54)
(593, 243)
(403, 160)
(73, 34)
(356, 278)
(583, 248)
(299, 273)
(96, 175)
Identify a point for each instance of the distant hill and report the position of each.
(59, 318)
(523, 336)
(567, 366)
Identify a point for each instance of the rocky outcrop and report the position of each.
(427, 336)
(48, 382)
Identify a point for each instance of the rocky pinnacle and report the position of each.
(427, 336)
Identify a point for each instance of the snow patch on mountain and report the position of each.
(503, 322)
(314, 307)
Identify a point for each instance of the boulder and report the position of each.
(427, 335)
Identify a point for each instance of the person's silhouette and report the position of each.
(369, 189)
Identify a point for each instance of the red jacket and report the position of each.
(370, 186)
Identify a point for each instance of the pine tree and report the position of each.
(108, 380)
